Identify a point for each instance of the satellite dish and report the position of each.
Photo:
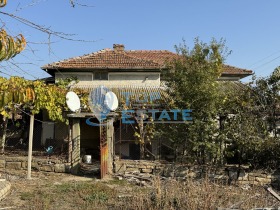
(111, 101)
(73, 101)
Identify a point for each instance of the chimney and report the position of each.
(118, 47)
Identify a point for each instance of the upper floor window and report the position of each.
(84, 77)
(80, 76)
(101, 75)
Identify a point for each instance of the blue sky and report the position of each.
(250, 28)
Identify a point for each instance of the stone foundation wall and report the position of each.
(229, 174)
(40, 164)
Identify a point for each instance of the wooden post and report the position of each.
(110, 142)
(5, 123)
(75, 156)
(70, 142)
(30, 142)
(269, 189)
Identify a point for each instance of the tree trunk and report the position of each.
(142, 151)
(222, 149)
(142, 136)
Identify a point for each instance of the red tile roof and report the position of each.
(234, 70)
(118, 58)
(110, 59)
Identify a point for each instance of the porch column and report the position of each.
(110, 142)
(70, 141)
(76, 135)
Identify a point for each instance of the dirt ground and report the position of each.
(55, 191)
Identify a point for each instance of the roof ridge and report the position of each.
(150, 51)
(95, 53)
(146, 60)
(78, 57)
(142, 59)
(126, 53)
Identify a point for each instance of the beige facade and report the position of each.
(114, 78)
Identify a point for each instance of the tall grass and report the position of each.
(201, 194)
(163, 194)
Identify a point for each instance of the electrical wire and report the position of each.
(5, 74)
(25, 72)
(267, 62)
(10, 69)
(251, 66)
(30, 115)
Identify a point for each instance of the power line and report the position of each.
(267, 62)
(14, 64)
(30, 115)
(263, 59)
(6, 73)
(11, 69)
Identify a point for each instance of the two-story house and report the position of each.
(118, 68)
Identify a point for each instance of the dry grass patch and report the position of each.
(163, 194)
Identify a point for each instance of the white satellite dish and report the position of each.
(73, 101)
(111, 101)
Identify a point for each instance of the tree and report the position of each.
(143, 133)
(142, 123)
(243, 129)
(9, 46)
(267, 94)
(192, 82)
(17, 93)
(232, 121)
(251, 132)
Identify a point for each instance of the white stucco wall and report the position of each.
(116, 78)
(131, 78)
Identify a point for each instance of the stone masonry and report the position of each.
(39, 164)
(229, 174)
(5, 187)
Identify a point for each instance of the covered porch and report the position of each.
(95, 141)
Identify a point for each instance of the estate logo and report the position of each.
(102, 101)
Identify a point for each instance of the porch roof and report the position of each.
(146, 97)
(134, 96)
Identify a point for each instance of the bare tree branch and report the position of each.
(12, 65)
(33, 3)
(44, 29)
